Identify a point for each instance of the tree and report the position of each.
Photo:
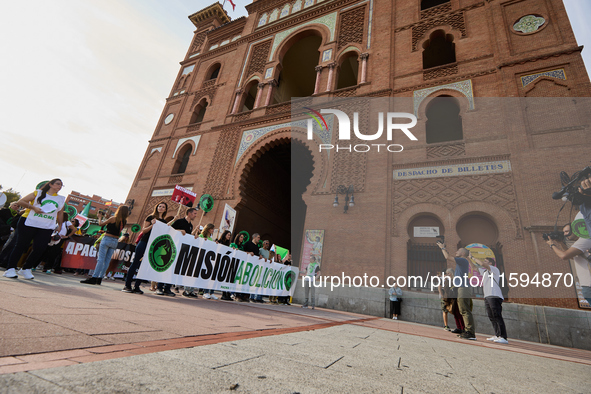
(11, 196)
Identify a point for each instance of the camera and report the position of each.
(570, 190)
(554, 235)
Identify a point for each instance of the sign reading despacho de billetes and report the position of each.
(490, 167)
(178, 259)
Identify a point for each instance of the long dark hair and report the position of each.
(237, 239)
(45, 189)
(121, 216)
(156, 214)
(222, 239)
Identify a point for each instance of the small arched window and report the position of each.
(199, 112)
(180, 166)
(348, 71)
(439, 49)
(444, 122)
(425, 4)
(214, 72)
(250, 95)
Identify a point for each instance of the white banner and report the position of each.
(178, 259)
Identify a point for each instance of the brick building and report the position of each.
(79, 201)
(228, 128)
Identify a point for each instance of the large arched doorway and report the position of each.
(272, 203)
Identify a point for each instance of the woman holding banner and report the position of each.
(114, 226)
(159, 214)
(207, 233)
(225, 239)
(44, 210)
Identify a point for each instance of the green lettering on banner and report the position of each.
(266, 277)
(274, 280)
(239, 272)
(280, 281)
(255, 275)
(246, 274)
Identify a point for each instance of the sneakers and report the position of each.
(137, 290)
(467, 335)
(11, 273)
(394, 318)
(127, 290)
(446, 328)
(27, 274)
(48, 272)
(214, 297)
(501, 340)
(159, 292)
(305, 306)
(492, 339)
(169, 293)
(189, 295)
(456, 331)
(207, 295)
(89, 281)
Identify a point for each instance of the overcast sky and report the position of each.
(83, 83)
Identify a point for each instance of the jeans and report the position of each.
(24, 236)
(106, 249)
(465, 305)
(494, 311)
(140, 249)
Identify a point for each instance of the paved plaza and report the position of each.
(59, 336)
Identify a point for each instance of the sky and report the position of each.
(83, 84)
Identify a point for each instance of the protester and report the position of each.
(286, 261)
(108, 245)
(395, 294)
(493, 296)
(225, 239)
(312, 271)
(46, 206)
(238, 241)
(185, 226)
(54, 248)
(159, 214)
(12, 222)
(252, 249)
(206, 233)
(464, 290)
(449, 303)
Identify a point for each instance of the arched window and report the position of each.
(199, 112)
(425, 4)
(250, 95)
(348, 71)
(298, 74)
(180, 166)
(213, 72)
(439, 49)
(444, 122)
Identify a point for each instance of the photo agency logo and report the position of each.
(391, 120)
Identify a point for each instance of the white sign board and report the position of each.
(430, 232)
(491, 167)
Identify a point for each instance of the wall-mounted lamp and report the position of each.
(349, 202)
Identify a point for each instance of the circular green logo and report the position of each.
(50, 202)
(162, 253)
(289, 279)
(580, 229)
(135, 228)
(206, 202)
(70, 211)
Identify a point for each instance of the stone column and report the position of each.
(237, 100)
(318, 72)
(272, 84)
(363, 58)
(331, 67)
(257, 100)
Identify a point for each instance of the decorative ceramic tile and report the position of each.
(529, 24)
(247, 56)
(263, 19)
(329, 21)
(224, 42)
(235, 38)
(213, 47)
(349, 49)
(249, 137)
(327, 55)
(284, 11)
(274, 15)
(195, 140)
(558, 74)
(296, 6)
(464, 87)
(308, 3)
(370, 23)
(159, 149)
(193, 55)
(269, 73)
(188, 69)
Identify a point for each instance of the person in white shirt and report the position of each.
(493, 296)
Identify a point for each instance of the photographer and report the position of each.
(579, 253)
(464, 290)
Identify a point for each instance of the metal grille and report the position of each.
(424, 260)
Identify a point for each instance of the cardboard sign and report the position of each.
(183, 196)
